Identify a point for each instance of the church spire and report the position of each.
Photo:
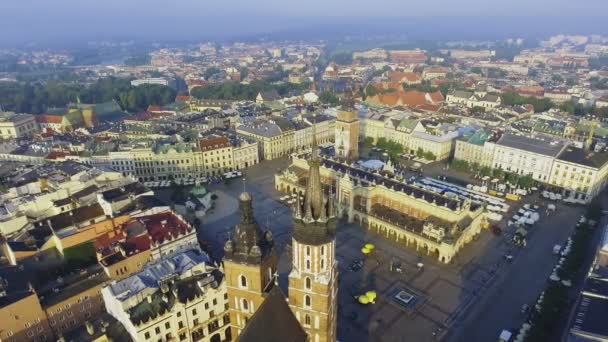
(313, 200)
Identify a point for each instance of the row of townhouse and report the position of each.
(279, 136)
(412, 133)
(578, 173)
(210, 156)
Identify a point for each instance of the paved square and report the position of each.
(458, 300)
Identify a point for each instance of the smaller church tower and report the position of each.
(250, 264)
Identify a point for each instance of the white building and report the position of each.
(141, 81)
(181, 297)
(14, 126)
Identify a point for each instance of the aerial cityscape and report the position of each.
(315, 172)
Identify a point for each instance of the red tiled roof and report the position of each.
(411, 98)
(137, 244)
(152, 108)
(399, 77)
(213, 143)
(45, 118)
(164, 226)
(57, 154)
(182, 98)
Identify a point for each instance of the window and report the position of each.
(167, 325)
(306, 319)
(194, 312)
(322, 264)
(179, 314)
(243, 281)
(206, 306)
(180, 324)
(157, 330)
(195, 322)
(214, 301)
(245, 305)
(308, 264)
(307, 283)
(147, 335)
(322, 250)
(307, 250)
(307, 301)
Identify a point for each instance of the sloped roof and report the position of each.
(273, 322)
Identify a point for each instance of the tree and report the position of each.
(498, 174)
(477, 109)
(343, 58)
(526, 182)
(557, 78)
(370, 90)
(476, 70)
(485, 171)
(328, 97)
(513, 178)
(420, 152)
(368, 142)
(210, 72)
(540, 105)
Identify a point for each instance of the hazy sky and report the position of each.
(56, 20)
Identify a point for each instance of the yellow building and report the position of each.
(275, 137)
(580, 174)
(22, 316)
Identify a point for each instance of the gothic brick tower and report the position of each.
(313, 280)
(250, 265)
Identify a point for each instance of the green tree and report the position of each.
(477, 109)
(526, 182)
(370, 90)
(328, 97)
(557, 78)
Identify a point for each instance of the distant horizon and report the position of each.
(436, 28)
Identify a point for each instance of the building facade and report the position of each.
(346, 142)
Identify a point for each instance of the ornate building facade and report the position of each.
(347, 135)
(400, 211)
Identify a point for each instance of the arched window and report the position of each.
(306, 319)
(243, 281)
(307, 301)
(322, 250)
(322, 264)
(307, 250)
(307, 283)
(245, 304)
(308, 264)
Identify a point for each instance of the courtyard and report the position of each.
(470, 299)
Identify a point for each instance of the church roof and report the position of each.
(273, 322)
